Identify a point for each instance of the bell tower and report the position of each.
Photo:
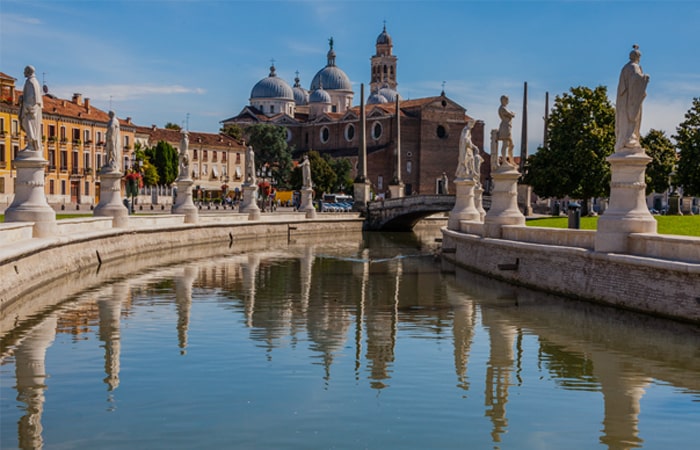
(383, 64)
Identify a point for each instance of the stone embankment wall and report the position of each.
(662, 277)
(84, 245)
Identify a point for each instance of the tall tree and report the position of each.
(343, 172)
(580, 136)
(663, 154)
(234, 130)
(165, 158)
(148, 170)
(269, 143)
(688, 142)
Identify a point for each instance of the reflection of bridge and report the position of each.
(401, 214)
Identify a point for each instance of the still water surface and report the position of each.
(371, 343)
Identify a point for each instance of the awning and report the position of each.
(215, 172)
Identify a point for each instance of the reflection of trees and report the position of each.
(569, 369)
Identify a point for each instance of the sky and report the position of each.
(194, 63)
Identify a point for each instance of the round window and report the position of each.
(325, 134)
(441, 132)
(376, 130)
(349, 132)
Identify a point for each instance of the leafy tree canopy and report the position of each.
(165, 159)
(269, 143)
(172, 126)
(688, 143)
(148, 170)
(343, 172)
(663, 154)
(233, 130)
(581, 135)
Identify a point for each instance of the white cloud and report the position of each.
(125, 91)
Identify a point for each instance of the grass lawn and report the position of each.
(679, 225)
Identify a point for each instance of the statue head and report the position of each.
(29, 71)
(635, 54)
(504, 100)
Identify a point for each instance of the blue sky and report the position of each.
(157, 61)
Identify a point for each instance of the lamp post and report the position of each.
(264, 173)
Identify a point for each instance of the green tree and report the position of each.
(663, 154)
(269, 143)
(172, 126)
(688, 142)
(581, 135)
(148, 170)
(233, 130)
(343, 172)
(165, 159)
(322, 175)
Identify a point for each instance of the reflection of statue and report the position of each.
(631, 91)
(306, 173)
(112, 147)
(30, 110)
(184, 159)
(467, 150)
(504, 130)
(250, 167)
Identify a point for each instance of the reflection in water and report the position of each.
(343, 302)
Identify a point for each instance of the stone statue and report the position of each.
(467, 149)
(306, 173)
(494, 149)
(631, 91)
(30, 110)
(445, 183)
(478, 160)
(250, 167)
(504, 130)
(113, 140)
(184, 159)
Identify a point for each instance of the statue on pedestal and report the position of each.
(465, 165)
(505, 131)
(305, 165)
(250, 167)
(30, 110)
(112, 142)
(631, 92)
(184, 159)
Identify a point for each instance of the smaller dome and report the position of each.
(384, 38)
(320, 96)
(376, 98)
(301, 95)
(272, 87)
(389, 94)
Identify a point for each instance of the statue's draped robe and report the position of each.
(631, 91)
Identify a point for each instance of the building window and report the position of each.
(205, 155)
(325, 134)
(349, 132)
(380, 183)
(63, 134)
(87, 188)
(376, 130)
(86, 136)
(289, 135)
(99, 138)
(76, 135)
(15, 128)
(52, 187)
(409, 166)
(86, 160)
(2, 185)
(15, 151)
(3, 158)
(272, 109)
(194, 154)
(98, 156)
(2, 126)
(63, 187)
(52, 159)
(441, 132)
(238, 158)
(126, 142)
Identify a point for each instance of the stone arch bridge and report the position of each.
(401, 214)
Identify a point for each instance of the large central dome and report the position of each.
(272, 87)
(331, 77)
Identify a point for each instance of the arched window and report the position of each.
(349, 132)
(376, 130)
(325, 134)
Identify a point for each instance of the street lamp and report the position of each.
(265, 172)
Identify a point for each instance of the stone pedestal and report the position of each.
(627, 212)
(396, 190)
(111, 204)
(504, 201)
(183, 201)
(686, 206)
(465, 207)
(479, 201)
(249, 204)
(307, 203)
(29, 204)
(361, 196)
(524, 195)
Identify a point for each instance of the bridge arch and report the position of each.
(401, 214)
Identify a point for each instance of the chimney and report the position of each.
(87, 105)
(78, 99)
(63, 103)
(128, 120)
(153, 127)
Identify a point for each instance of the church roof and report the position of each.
(331, 77)
(384, 38)
(272, 87)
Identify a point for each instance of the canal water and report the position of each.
(362, 341)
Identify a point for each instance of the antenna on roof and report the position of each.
(45, 88)
(110, 102)
(188, 122)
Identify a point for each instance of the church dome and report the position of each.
(384, 38)
(389, 94)
(272, 87)
(320, 96)
(331, 77)
(301, 95)
(376, 98)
